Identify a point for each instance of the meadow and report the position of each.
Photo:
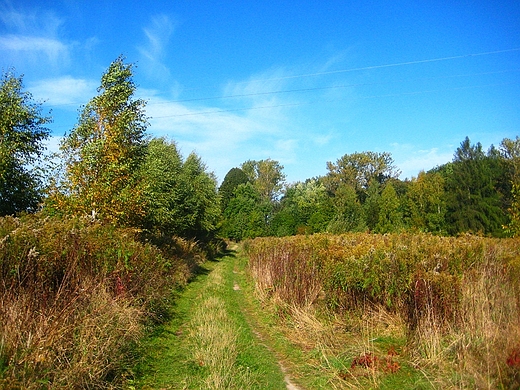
(376, 308)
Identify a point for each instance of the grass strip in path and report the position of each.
(209, 343)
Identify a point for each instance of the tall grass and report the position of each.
(213, 341)
(457, 299)
(75, 298)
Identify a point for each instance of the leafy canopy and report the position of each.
(22, 132)
(105, 149)
(267, 177)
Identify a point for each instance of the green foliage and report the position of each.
(390, 216)
(372, 204)
(359, 170)
(267, 177)
(198, 200)
(304, 208)
(232, 180)
(104, 150)
(349, 214)
(246, 215)
(473, 201)
(249, 211)
(160, 176)
(181, 197)
(513, 227)
(22, 132)
(426, 204)
(510, 151)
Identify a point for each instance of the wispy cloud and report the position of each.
(223, 133)
(246, 122)
(33, 47)
(221, 138)
(28, 21)
(66, 91)
(411, 160)
(157, 36)
(33, 37)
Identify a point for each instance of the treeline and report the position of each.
(109, 168)
(477, 192)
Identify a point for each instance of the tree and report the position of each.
(372, 204)
(474, 203)
(349, 215)
(105, 149)
(267, 177)
(390, 218)
(198, 200)
(161, 179)
(246, 215)
(359, 170)
(510, 152)
(180, 196)
(232, 180)
(304, 208)
(513, 227)
(22, 132)
(426, 203)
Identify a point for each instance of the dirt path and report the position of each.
(211, 342)
(261, 337)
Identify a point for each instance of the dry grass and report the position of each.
(75, 342)
(75, 297)
(454, 301)
(486, 334)
(213, 342)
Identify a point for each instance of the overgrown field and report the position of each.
(441, 308)
(76, 296)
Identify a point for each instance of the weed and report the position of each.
(75, 297)
(455, 300)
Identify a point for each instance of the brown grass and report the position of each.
(75, 298)
(456, 301)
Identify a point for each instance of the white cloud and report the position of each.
(411, 161)
(28, 21)
(157, 35)
(33, 37)
(246, 122)
(33, 46)
(225, 139)
(63, 91)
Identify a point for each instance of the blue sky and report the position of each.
(300, 82)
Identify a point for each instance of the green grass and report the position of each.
(209, 315)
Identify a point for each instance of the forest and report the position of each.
(96, 237)
(475, 193)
